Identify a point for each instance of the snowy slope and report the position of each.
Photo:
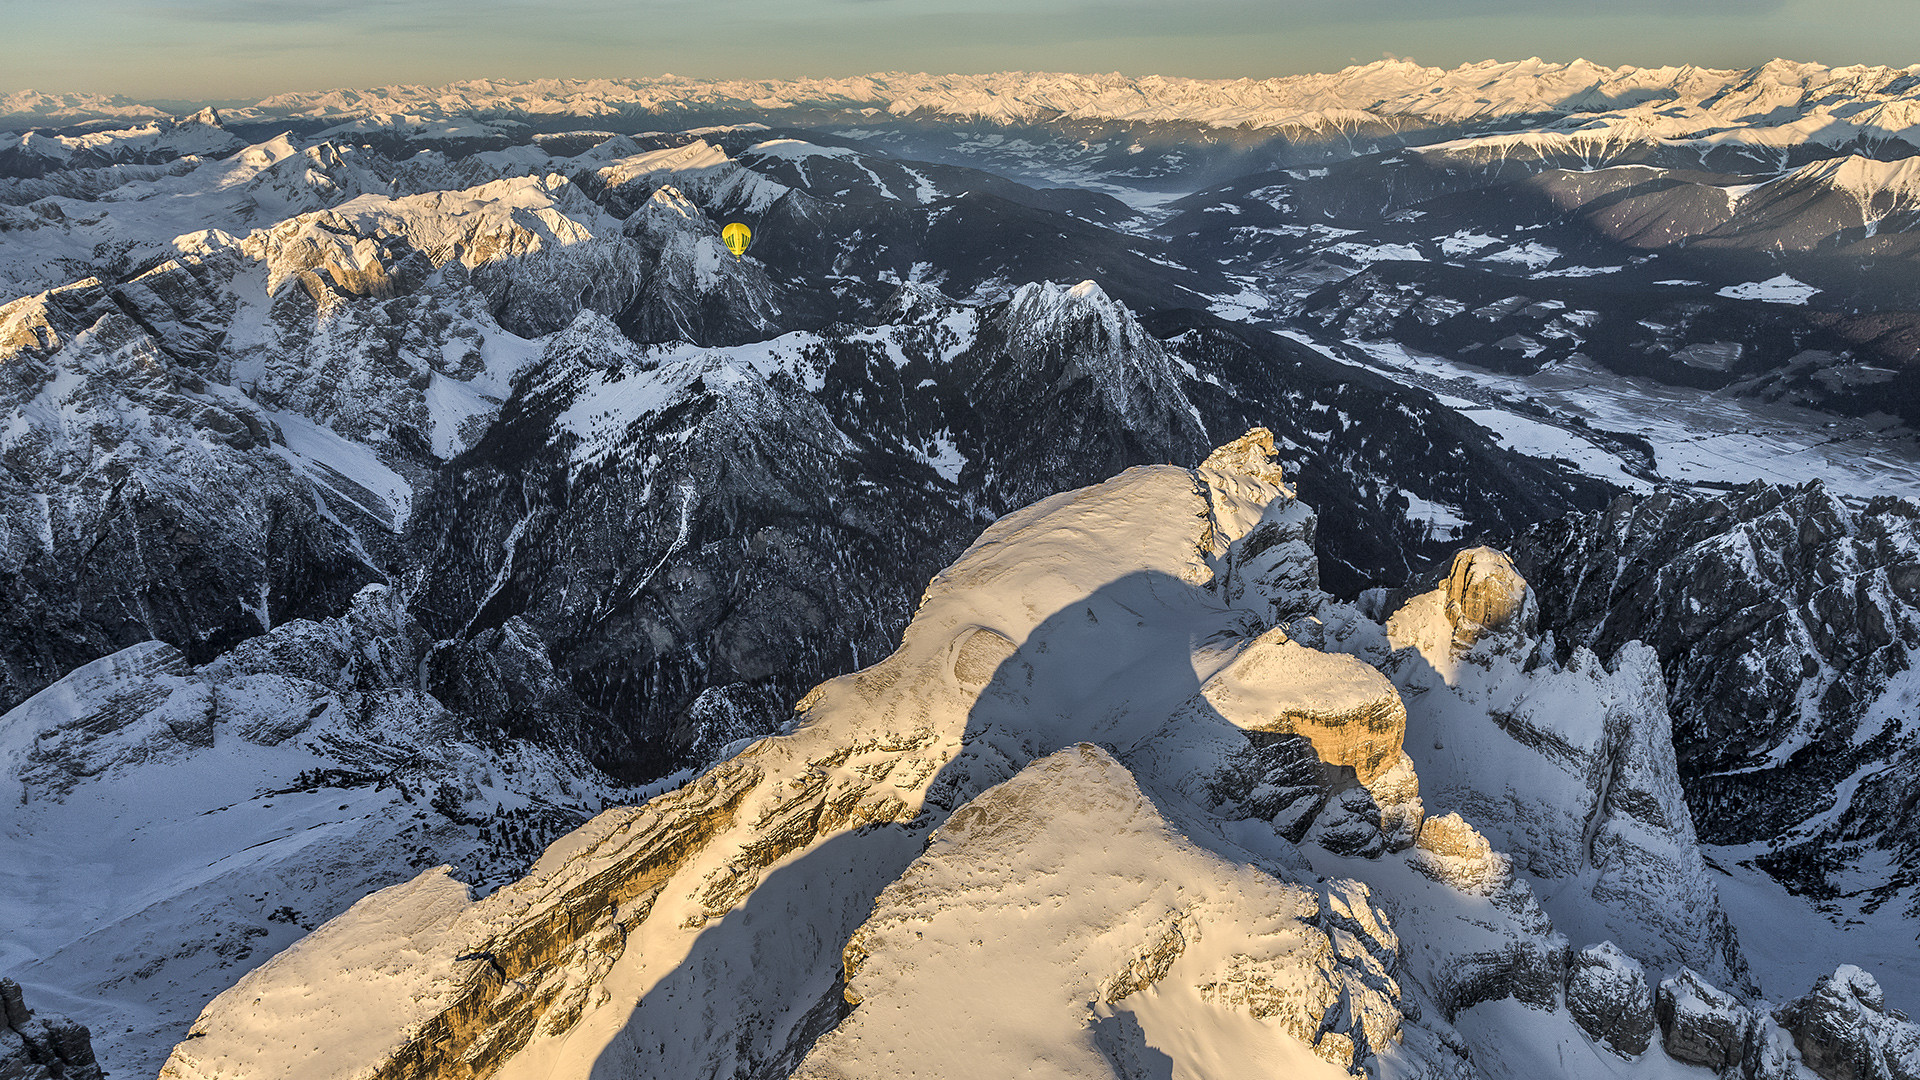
(1091, 912)
(631, 496)
(1707, 99)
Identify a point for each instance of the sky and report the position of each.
(231, 50)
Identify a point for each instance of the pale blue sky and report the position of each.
(250, 48)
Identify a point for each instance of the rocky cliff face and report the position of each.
(1588, 791)
(1784, 622)
(196, 820)
(1844, 1030)
(144, 500)
(42, 1048)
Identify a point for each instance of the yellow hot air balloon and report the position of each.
(736, 236)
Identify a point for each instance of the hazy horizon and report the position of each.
(255, 48)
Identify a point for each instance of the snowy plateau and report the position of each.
(1404, 573)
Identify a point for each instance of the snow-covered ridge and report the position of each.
(1175, 828)
(200, 134)
(885, 747)
(1878, 186)
(1771, 94)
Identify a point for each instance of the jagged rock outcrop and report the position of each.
(1844, 1030)
(1607, 994)
(1309, 741)
(1276, 559)
(42, 1047)
(1487, 597)
(949, 946)
(1781, 618)
(819, 821)
(1508, 949)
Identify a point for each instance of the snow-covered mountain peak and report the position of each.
(917, 302)
(1097, 334)
(259, 157)
(1123, 971)
(1879, 187)
(696, 289)
(1048, 306)
(67, 108)
(593, 340)
(541, 231)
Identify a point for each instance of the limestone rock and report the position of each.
(1487, 597)
(1844, 1031)
(1699, 1024)
(1349, 711)
(1286, 732)
(1607, 994)
(41, 1047)
(873, 761)
(1454, 853)
(1275, 557)
(1251, 455)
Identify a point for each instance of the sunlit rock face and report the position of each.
(1296, 735)
(1486, 596)
(1844, 1031)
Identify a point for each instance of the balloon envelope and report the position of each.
(736, 236)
